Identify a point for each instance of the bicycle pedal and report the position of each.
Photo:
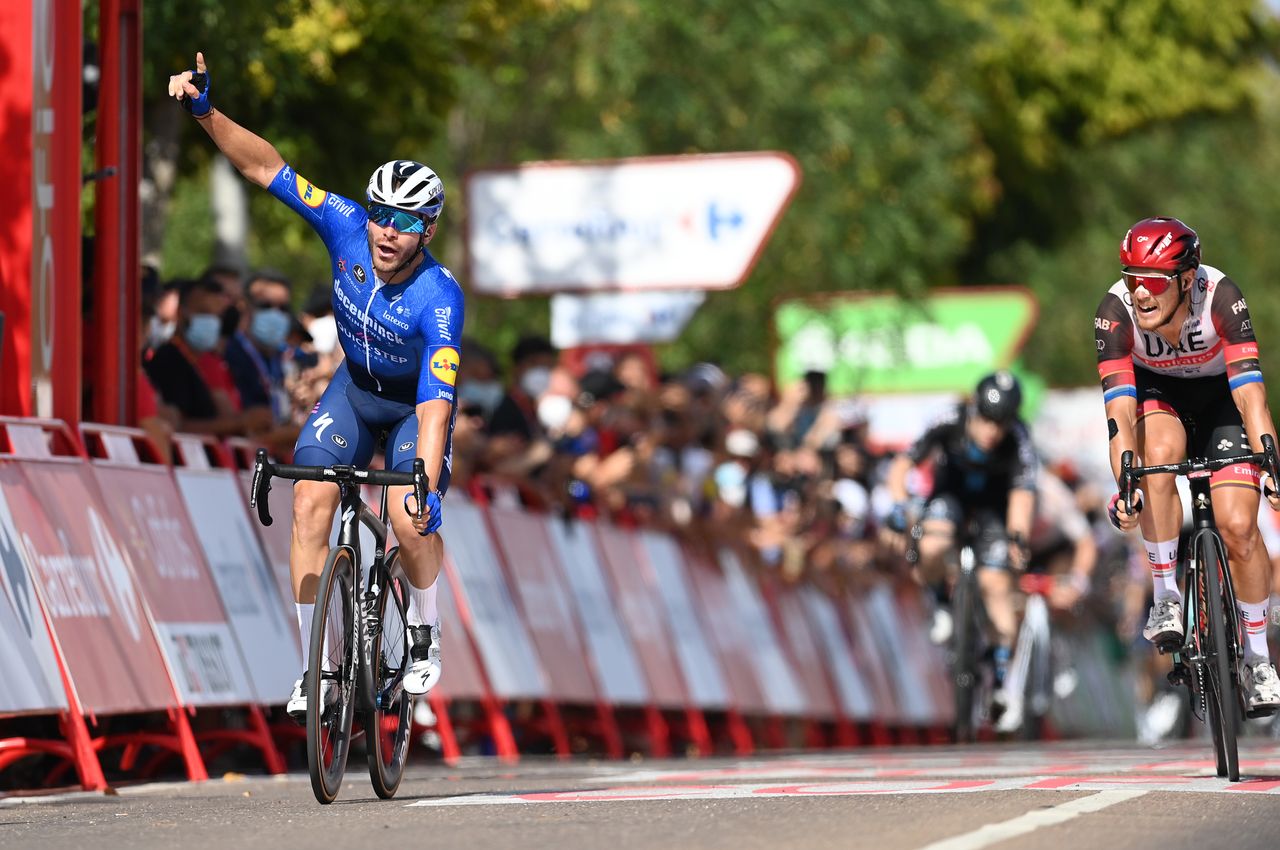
(1261, 711)
(1168, 647)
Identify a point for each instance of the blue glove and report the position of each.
(432, 509)
(897, 519)
(200, 106)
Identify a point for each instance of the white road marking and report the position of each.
(1031, 821)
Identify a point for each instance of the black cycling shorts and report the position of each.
(1209, 415)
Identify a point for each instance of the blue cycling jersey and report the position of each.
(401, 340)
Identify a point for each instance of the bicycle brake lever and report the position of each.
(261, 489)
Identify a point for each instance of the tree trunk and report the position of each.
(159, 173)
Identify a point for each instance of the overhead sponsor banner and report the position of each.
(204, 656)
(84, 580)
(640, 608)
(701, 668)
(857, 699)
(613, 657)
(878, 342)
(245, 582)
(548, 613)
(505, 647)
(621, 318)
(784, 692)
(685, 222)
(28, 665)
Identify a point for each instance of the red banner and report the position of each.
(15, 212)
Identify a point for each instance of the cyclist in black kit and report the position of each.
(984, 478)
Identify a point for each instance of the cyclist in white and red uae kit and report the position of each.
(1180, 376)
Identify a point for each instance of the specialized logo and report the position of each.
(340, 440)
(359, 273)
(444, 364)
(404, 447)
(310, 195)
(320, 424)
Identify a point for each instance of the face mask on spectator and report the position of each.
(535, 381)
(324, 334)
(269, 327)
(202, 331)
(554, 412)
(158, 332)
(486, 395)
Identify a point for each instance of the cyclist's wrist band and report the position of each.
(204, 117)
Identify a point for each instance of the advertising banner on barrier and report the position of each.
(275, 538)
(809, 662)
(548, 612)
(462, 678)
(910, 685)
(642, 612)
(869, 650)
(928, 658)
(725, 630)
(28, 665)
(87, 587)
(203, 654)
(700, 665)
(505, 646)
(245, 581)
(785, 694)
(613, 658)
(856, 695)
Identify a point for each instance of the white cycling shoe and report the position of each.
(1261, 687)
(1164, 624)
(424, 651)
(296, 708)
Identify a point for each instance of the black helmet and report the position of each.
(998, 397)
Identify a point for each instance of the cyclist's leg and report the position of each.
(937, 541)
(995, 583)
(1162, 438)
(422, 558)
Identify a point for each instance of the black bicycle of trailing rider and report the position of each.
(1208, 661)
(362, 609)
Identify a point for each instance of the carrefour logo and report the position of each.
(444, 364)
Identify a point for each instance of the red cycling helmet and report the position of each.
(1160, 243)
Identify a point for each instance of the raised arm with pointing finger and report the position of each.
(253, 156)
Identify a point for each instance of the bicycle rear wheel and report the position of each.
(1222, 699)
(332, 663)
(964, 666)
(387, 708)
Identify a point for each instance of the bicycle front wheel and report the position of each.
(387, 708)
(1221, 693)
(331, 675)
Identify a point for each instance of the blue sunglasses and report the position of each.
(404, 222)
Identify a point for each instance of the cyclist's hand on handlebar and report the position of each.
(191, 88)
(1269, 485)
(1125, 517)
(429, 522)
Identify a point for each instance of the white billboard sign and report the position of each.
(621, 318)
(685, 222)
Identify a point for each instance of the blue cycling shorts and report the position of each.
(348, 425)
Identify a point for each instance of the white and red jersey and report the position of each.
(1216, 338)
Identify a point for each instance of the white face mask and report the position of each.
(324, 334)
(554, 412)
(159, 332)
(535, 381)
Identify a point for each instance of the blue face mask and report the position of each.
(202, 331)
(269, 328)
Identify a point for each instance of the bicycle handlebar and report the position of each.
(264, 470)
(1195, 467)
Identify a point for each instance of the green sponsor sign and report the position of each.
(884, 343)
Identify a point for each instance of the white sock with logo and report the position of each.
(306, 613)
(1253, 616)
(422, 604)
(1163, 559)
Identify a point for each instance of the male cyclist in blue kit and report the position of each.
(399, 315)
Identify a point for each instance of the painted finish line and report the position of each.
(851, 789)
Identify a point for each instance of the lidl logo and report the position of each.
(311, 196)
(444, 364)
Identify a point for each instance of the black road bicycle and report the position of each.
(1208, 661)
(359, 637)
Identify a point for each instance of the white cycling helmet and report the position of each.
(407, 185)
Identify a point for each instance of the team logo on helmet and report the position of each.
(310, 195)
(444, 364)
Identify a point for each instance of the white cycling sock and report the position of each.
(1163, 559)
(306, 612)
(1253, 616)
(422, 604)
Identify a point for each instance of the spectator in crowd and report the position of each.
(255, 356)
